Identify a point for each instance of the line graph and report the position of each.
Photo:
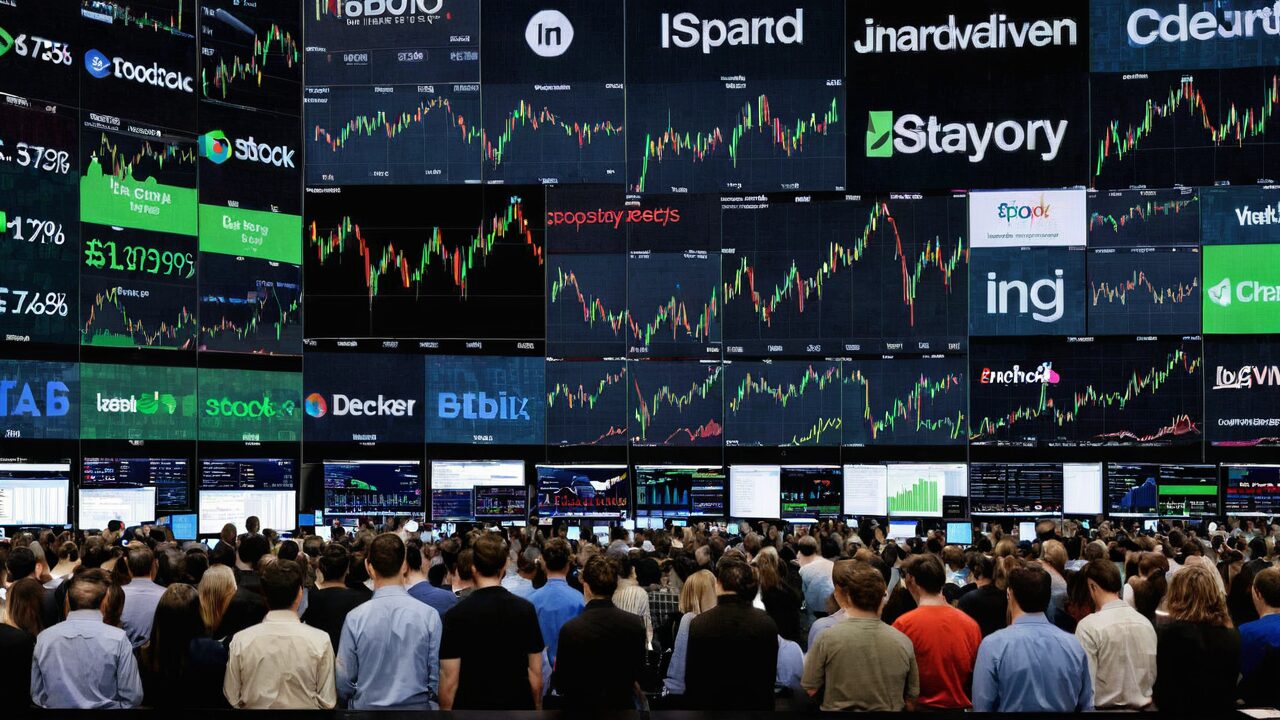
(126, 157)
(904, 401)
(250, 306)
(159, 17)
(846, 272)
(139, 314)
(1165, 129)
(676, 403)
(587, 403)
(586, 307)
(1144, 218)
(1109, 392)
(673, 305)
(251, 55)
(782, 403)
(1144, 292)
(526, 140)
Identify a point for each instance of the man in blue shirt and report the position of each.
(389, 655)
(556, 602)
(1262, 636)
(141, 595)
(1032, 665)
(83, 663)
(419, 586)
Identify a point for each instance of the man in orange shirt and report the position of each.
(946, 640)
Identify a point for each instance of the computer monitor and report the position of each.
(455, 484)
(865, 490)
(811, 493)
(755, 491)
(916, 489)
(1188, 491)
(373, 487)
(1013, 490)
(902, 529)
(184, 526)
(34, 493)
(1082, 488)
(671, 491)
(131, 506)
(574, 532)
(960, 533)
(1026, 530)
(584, 491)
(232, 489)
(1132, 489)
(169, 476)
(1252, 490)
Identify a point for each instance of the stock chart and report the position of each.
(553, 92)
(1132, 489)
(137, 176)
(587, 402)
(765, 112)
(1144, 218)
(249, 305)
(782, 403)
(1161, 129)
(1242, 391)
(1144, 291)
(676, 403)
(138, 289)
(1102, 392)
(815, 277)
(673, 304)
(368, 488)
(40, 50)
(251, 54)
(469, 266)
(904, 401)
(393, 102)
(586, 304)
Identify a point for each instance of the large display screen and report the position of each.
(1242, 391)
(1132, 489)
(486, 400)
(372, 487)
(247, 474)
(587, 402)
(1028, 490)
(672, 491)
(34, 493)
(131, 506)
(38, 400)
(810, 493)
(137, 402)
(676, 403)
(250, 405)
(904, 401)
(363, 397)
(467, 490)
(917, 489)
(233, 489)
(1252, 490)
(584, 491)
(865, 490)
(1188, 491)
(782, 403)
(169, 477)
(755, 491)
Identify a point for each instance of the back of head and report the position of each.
(489, 555)
(1105, 574)
(601, 575)
(953, 556)
(1193, 597)
(1267, 585)
(556, 554)
(252, 548)
(736, 577)
(252, 524)
(808, 546)
(177, 622)
(1031, 587)
(1054, 554)
(334, 562)
(386, 556)
(87, 589)
(25, 605)
(140, 559)
(752, 543)
(228, 534)
(413, 554)
(216, 590)
(313, 546)
(981, 567)
(698, 594)
(861, 583)
(926, 571)
(281, 584)
(21, 563)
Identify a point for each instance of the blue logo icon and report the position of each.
(97, 64)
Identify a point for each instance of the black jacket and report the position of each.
(732, 661)
(248, 606)
(600, 658)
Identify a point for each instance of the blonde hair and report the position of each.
(698, 594)
(1194, 597)
(217, 586)
(1054, 554)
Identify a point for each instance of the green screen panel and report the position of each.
(137, 402)
(250, 405)
(1242, 289)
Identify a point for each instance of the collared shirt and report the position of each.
(790, 666)
(438, 598)
(822, 624)
(389, 656)
(1032, 666)
(664, 603)
(815, 581)
(141, 596)
(557, 603)
(519, 586)
(632, 598)
(281, 664)
(1121, 646)
(83, 663)
(1257, 638)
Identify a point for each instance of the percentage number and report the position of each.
(35, 230)
(28, 302)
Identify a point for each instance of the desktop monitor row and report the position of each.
(140, 489)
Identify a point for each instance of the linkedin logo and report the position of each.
(549, 33)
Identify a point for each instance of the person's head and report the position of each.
(177, 622)
(923, 575)
(1266, 591)
(1054, 554)
(1103, 580)
(87, 590)
(24, 607)
(698, 594)
(141, 561)
(768, 569)
(808, 546)
(555, 557)
(252, 524)
(228, 534)
(251, 550)
(1193, 597)
(735, 577)
(600, 577)
(68, 553)
(217, 587)
(489, 556)
(1029, 588)
(282, 584)
(982, 568)
(289, 550)
(751, 544)
(859, 585)
(333, 563)
(21, 564)
(953, 556)
(386, 557)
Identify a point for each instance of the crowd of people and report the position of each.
(827, 616)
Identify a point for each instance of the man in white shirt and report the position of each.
(141, 595)
(815, 576)
(281, 664)
(1119, 642)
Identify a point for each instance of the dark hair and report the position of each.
(87, 589)
(177, 622)
(1031, 587)
(313, 546)
(737, 577)
(194, 565)
(413, 554)
(114, 526)
(386, 555)
(465, 566)
(601, 575)
(1267, 583)
(1105, 574)
(556, 554)
(489, 555)
(140, 560)
(288, 551)
(334, 562)
(252, 524)
(926, 571)
(860, 582)
(224, 554)
(281, 581)
(21, 563)
(981, 566)
(26, 605)
(252, 548)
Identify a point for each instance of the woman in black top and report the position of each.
(22, 622)
(1198, 651)
(165, 658)
(781, 599)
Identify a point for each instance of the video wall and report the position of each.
(576, 236)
